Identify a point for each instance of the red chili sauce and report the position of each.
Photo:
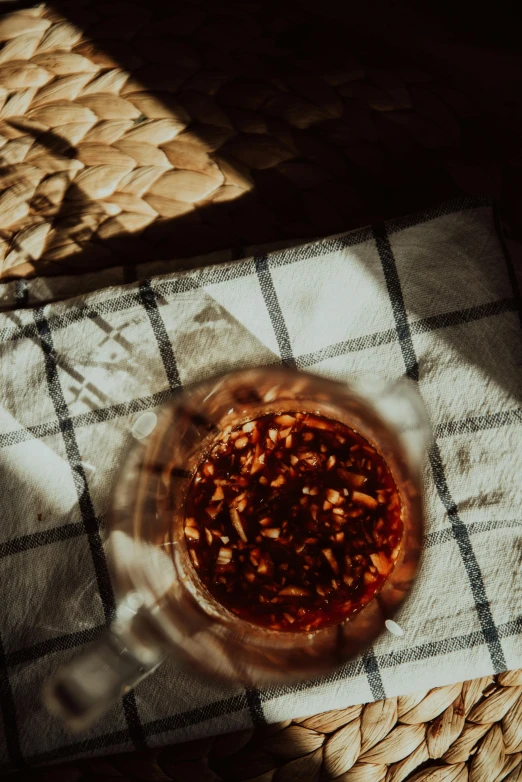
(293, 521)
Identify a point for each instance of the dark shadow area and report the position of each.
(290, 126)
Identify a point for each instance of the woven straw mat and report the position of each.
(470, 731)
(130, 134)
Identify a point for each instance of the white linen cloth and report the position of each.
(432, 296)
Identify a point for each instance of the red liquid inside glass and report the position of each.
(293, 521)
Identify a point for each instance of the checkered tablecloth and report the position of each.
(433, 296)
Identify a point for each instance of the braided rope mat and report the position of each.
(470, 731)
(127, 135)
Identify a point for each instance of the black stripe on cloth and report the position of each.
(197, 715)
(120, 303)
(9, 716)
(79, 476)
(511, 628)
(320, 248)
(71, 315)
(255, 706)
(132, 718)
(210, 275)
(54, 645)
(353, 345)
(433, 649)
(43, 538)
(431, 323)
(72, 450)
(234, 271)
(461, 204)
(14, 333)
(356, 667)
(471, 564)
(425, 651)
(150, 303)
(479, 423)
(421, 326)
(374, 676)
(17, 436)
(509, 263)
(475, 528)
(268, 290)
(460, 317)
(138, 405)
(99, 415)
(393, 285)
(333, 244)
(459, 528)
(348, 671)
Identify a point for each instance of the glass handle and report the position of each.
(82, 691)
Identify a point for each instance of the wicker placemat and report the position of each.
(470, 731)
(131, 131)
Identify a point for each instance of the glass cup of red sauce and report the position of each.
(265, 530)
